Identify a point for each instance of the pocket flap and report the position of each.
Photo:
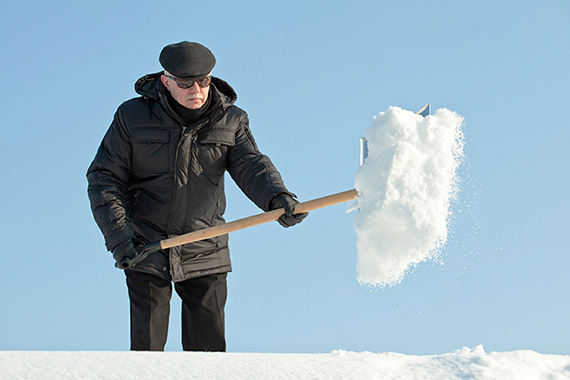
(150, 135)
(217, 136)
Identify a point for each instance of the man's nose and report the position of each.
(195, 88)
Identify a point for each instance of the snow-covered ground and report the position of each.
(465, 363)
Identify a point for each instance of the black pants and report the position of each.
(203, 302)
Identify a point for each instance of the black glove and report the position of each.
(123, 253)
(288, 203)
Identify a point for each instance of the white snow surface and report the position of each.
(465, 363)
(405, 187)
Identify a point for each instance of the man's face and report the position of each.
(192, 98)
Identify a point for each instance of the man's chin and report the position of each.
(194, 104)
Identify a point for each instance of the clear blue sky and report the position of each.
(311, 74)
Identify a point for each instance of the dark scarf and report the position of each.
(186, 114)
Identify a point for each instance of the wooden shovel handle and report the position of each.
(258, 219)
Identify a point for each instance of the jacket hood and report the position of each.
(150, 86)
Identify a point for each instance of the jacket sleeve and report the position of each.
(253, 172)
(108, 178)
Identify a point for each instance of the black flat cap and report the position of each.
(187, 60)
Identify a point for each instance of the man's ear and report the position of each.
(165, 81)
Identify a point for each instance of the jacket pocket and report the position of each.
(212, 149)
(150, 151)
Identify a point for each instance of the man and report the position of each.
(159, 173)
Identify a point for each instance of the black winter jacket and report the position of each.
(152, 178)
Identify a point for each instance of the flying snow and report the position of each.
(405, 187)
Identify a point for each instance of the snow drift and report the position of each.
(461, 364)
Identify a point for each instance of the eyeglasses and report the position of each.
(187, 83)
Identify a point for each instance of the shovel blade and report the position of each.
(425, 111)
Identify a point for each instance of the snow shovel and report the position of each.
(240, 224)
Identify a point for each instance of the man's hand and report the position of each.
(123, 253)
(288, 203)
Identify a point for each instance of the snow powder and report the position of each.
(405, 187)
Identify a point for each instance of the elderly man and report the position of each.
(159, 173)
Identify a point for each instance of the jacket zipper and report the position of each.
(193, 133)
(192, 137)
